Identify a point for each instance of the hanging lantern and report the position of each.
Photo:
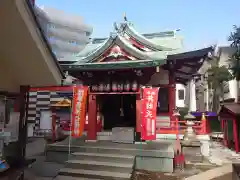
(114, 86)
(127, 86)
(94, 88)
(107, 87)
(120, 87)
(101, 87)
(134, 86)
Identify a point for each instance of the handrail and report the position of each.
(178, 126)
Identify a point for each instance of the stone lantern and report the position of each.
(191, 146)
(189, 134)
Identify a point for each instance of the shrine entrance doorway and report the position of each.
(118, 110)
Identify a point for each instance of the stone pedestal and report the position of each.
(192, 151)
(123, 135)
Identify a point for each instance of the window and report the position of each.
(50, 25)
(72, 42)
(51, 38)
(75, 53)
(181, 94)
(163, 101)
(88, 33)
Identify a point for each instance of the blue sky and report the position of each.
(202, 22)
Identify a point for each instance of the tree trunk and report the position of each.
(216, 101)
(237, 92)
(222, 91)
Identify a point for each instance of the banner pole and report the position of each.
(141, 98)
(71, 119)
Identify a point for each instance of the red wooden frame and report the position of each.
(225, 118)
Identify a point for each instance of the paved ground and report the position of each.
(40, 170)
(221, 155)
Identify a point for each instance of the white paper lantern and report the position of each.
(101, 87)
(134, 86)
(120, 87)
(94, 88)
(127, 86)
(107, 87)
(114, 86)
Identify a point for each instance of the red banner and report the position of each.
(149, 112)
(78, 110)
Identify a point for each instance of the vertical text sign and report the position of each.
(78, 110)
(149, 112)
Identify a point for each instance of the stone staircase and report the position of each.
(97, 165)
(108, 160)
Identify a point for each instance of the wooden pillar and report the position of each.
(22, 133)
(224, 132)
(54, 125)
(138, 118)
(222, 125)
(92, 118)
(172, 95)
(235, 135)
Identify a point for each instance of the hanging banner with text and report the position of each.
(78, 110)
(149, 112)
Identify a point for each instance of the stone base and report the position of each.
(192, 151)
(123, 135)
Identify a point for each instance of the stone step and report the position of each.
(106, 175)
(104, 157)
(100, 166)
(167, 152)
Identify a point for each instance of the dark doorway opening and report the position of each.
(118, 110)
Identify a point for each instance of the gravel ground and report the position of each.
(146, 175)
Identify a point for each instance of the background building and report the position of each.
(67, 34)
(204, 94)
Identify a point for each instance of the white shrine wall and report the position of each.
(180, 101)
(162, 78)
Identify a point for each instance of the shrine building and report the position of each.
(117, 67)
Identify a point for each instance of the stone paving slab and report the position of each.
(221, 155)
(213, 173)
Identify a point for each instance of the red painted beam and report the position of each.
(52, 88)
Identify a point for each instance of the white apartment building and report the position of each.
(67, 34)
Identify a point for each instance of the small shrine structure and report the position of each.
(115, 68)
(229, 117)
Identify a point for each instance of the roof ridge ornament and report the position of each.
(113, 35)
(126, 20)
(116, 28)
(125, 17)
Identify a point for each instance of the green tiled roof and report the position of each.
(175, 42)
(165, 46)
(89, 48)
(132, 32)
(115, 65)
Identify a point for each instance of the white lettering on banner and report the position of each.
(148, 114)
(150, 121)
(149, 106)
(80, 94)
(149, 126)
(153, 127)
(150, 96)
